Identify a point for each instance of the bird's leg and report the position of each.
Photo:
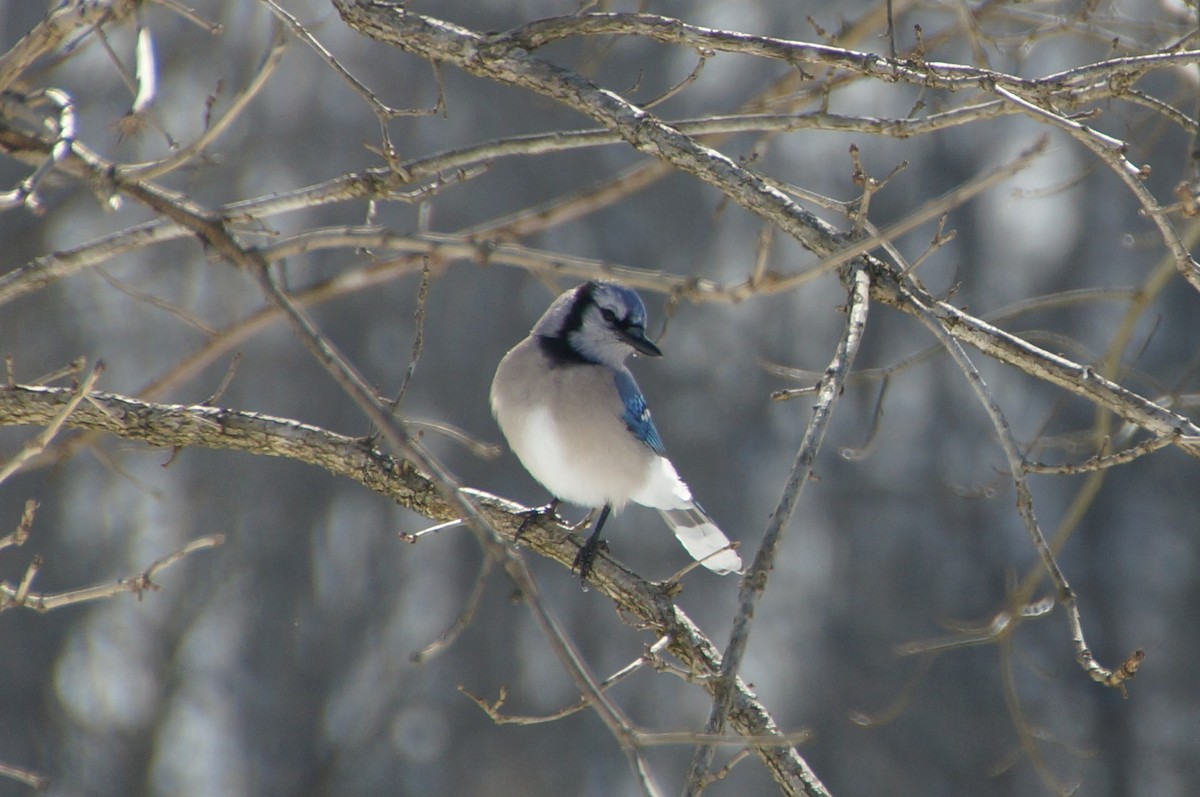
(586, 520)
(587, 554)
(531, 515)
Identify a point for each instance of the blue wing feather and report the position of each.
(637, 414)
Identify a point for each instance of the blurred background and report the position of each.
(280, 663)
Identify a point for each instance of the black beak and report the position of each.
(636, 337)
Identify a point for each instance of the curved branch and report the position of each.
(1081, 380)
(930, 74)
(174, 425)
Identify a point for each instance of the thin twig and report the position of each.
(492, 709)
(241, 101)
(187, 317)
(1016, 712)
(1103, 461)
(62, 23)
(26, 193)
(33, 780)
(11, 597)
(18, 537)
(39, 443)
(681, 85)
(1006, 313)
(755, 581)
(1016, 466)
(418, 336)
(191, 16)
(1111, 152)
(933, 209)
(465, 616)
(382, 110)
(999, 627)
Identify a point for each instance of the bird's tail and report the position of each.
(703, 540)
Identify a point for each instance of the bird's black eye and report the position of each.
(608, 315)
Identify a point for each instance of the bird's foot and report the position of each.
(587, 557)
(531, 515)
(587, 554)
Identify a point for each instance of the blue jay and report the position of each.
(573, 415)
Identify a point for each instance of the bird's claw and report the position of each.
(531, 515)
(587, 557)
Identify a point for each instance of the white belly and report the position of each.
(579, 451)
(569, 472)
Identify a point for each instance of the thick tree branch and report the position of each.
(1010, 349)
(930, 74)
(173, 426)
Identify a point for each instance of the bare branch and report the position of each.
(465, 617)
(681, 85)
(1102, 461)
(1111, 151)
(1081, 380)
(137, 584)
(381, 110)
(1016, 465)
(53, 425)
(930, 74)
(862, 244)
(418, 337)
(754, 583)
(148, 171)
(62, 23)
(21, 534)
(169, 426)
(26, 193)
(189, 318)
(28, 777)
(191, 16)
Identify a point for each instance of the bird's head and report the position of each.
(601, 322)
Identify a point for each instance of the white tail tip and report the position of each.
(703, 540)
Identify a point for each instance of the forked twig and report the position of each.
(12, 597)
(1016, 465)
(39, 443)
(382, 110)
(755, 581)
(242, 100)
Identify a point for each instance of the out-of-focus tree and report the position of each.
(300, 234)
